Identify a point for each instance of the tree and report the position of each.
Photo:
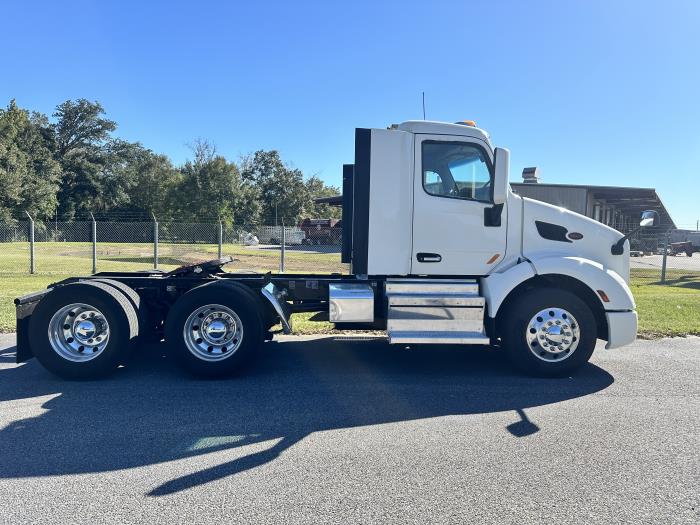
(89, 158)
(317, 189)
(74, 167)
(81, 126)
(151, 184)
(28, 173)
(283, 194)
(213, 187)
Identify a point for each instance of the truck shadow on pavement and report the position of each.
(149, 412)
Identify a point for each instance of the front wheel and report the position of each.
(548, 332)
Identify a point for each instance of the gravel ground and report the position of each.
(323, 431)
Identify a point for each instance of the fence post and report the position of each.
(32, 268)
(282, 246)
(94, 244)
(663, 262)
(155, 242)
(220, 237)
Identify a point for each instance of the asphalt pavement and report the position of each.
(326, 431)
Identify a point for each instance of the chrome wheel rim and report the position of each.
(213, 332)
(78, 332)
(553, 334)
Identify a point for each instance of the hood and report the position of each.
(553, 231)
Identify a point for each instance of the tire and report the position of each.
(63, 346)
(534, 330)
(135, 300)
(230, 308)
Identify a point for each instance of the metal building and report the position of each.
(618, 207)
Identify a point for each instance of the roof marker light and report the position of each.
(467, 123)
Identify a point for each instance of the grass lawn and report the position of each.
(664, 310)
(670, 309)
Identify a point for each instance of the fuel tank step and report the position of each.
(425, 337)
(435, 311)
(435, 299)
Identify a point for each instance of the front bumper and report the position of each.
(622, 328)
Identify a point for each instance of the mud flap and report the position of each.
(276, 298)
(24, 306)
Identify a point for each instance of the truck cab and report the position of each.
(431, 201)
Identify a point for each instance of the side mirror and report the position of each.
(649, 218)
(501, 171)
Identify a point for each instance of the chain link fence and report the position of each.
(83, 247)
(666, 256)
(313, 246)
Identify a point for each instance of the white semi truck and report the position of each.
(441, 251)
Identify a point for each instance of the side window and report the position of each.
(456, 170)
(432, 182)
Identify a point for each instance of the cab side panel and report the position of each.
(390, 203)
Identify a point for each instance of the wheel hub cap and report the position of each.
(213, 332)
(216, 330)
(85, 330)
(78, 332)
(553, 334)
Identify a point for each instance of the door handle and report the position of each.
(429, 257)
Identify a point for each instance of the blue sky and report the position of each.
(591, 92)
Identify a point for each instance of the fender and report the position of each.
(592, 274)
(496, 286)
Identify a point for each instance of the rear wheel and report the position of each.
(214, 329)
(83, 330)
(548, 332)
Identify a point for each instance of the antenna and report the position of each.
(423, 105)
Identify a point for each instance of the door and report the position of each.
(452, 233)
